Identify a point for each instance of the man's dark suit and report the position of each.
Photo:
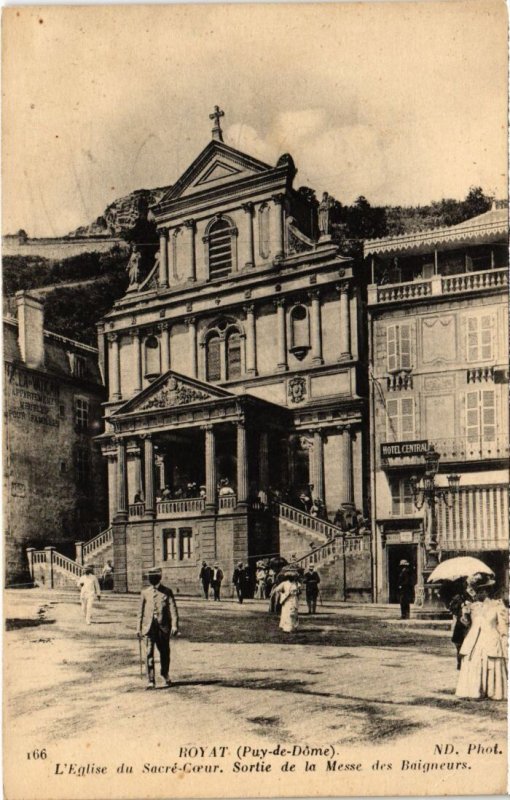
(157, 619)
(216, 579)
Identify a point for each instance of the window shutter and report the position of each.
(472, 339)
(472, 416)
(407, 418)
(488, 416)
(405, 347)
(391, 346)
(486, 337)
(392, 429)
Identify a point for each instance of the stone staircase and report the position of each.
(337, 562)
(51, 569)
(299, 533)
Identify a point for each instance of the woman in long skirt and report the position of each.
(484, 669)
(289, 591)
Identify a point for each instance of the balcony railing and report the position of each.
(467, 282)
(474, 281)
(227, 502)
(188, 506)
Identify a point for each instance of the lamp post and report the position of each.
(427, 493)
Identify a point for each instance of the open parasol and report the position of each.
(461, 567)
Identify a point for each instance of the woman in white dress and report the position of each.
(289, 591)
(484, 670)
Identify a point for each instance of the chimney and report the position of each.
(30, 329)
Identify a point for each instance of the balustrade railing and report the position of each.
(102, 539)
(438, 285)
(403, 291)
(228, 501)
(66, 564)
(473, 281)
(182, 506)
(320, 526)
(136, 510)
(317, 556)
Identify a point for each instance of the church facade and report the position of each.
(235, 374)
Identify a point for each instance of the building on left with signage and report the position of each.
(53, 471)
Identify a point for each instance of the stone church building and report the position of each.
(235, 374)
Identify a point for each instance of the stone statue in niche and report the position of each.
(325, 207)
(133, 267)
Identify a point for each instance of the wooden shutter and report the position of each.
(473, 416)
(391, 347)
(407, 418)
(488, 415)
(404, 343)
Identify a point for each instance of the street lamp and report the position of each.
(426, 493)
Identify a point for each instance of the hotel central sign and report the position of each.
(402, 449)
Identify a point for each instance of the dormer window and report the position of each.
(220, 243)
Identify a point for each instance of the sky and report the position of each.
(403, 103)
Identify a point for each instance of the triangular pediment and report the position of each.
(172, 390)
(216, 165)
(217, 172)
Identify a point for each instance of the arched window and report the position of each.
(299, 331)
(233, 355)
(213, 361)
(152, 365)
(220, 249)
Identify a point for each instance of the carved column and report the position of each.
(112, 485)
(278, 204)
(345, 322)
(315, 328)
(347, 494)
(165, 346)
(173, 248)
(148, 456)
(282, 365)
(192, 327)
(114, 365)
(263, 461)
(318, 458)
(190, 224)
(242, 465)
(163, 257)
(122, 508)
(251, 342)
(210, 468)
(250, 262)
(136, 343)
(134, 471)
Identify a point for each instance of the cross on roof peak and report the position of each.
(217, 114)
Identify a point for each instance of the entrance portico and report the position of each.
(194, 457)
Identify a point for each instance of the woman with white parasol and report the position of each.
(484, 669)
(483, 652)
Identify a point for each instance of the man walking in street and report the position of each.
(405, 589)
(205, 578)
(216, 579)
(239, 579)
(311, 580)
(157, 621)
(89, 591)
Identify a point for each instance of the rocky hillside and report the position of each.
(123, 216)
